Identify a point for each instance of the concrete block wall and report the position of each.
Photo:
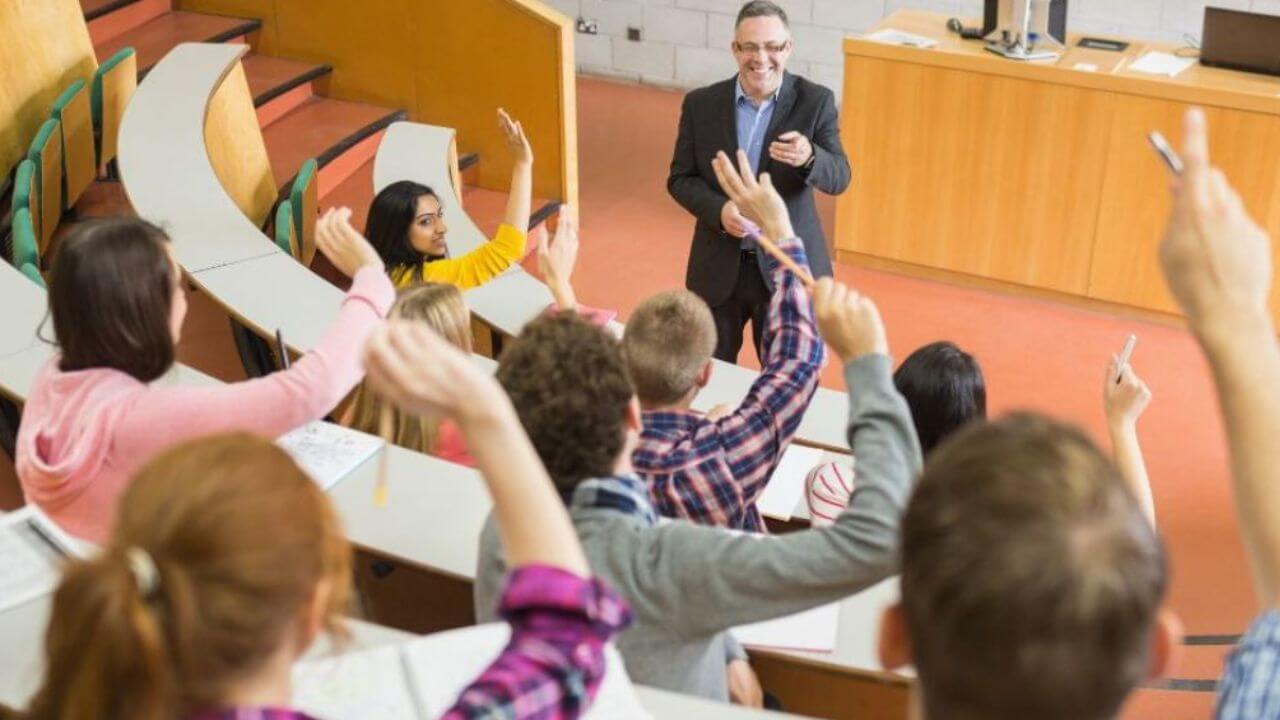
(685, 43)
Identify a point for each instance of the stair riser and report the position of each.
(125, 19)
(341, 167)
(277, 107)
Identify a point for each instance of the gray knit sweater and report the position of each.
(688, 584)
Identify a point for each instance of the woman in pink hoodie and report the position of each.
(117, 305)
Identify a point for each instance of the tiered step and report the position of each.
(326, 129)
(155, 38)
(271, 77)
(94, 9)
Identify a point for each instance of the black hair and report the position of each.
(391, 215)
(945, 389)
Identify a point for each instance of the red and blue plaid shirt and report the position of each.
(550, 669)
(713, 471)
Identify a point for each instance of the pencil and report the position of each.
(786, 260)
(385, 421)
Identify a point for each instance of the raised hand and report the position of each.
(1125, 400)
(1216, 259)
(339, 241)
(791, 148)
(849, 322)
(757, 200)
(556, 259)
(517, 143)
(421, 373)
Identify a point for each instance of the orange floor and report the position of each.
(1036, 354)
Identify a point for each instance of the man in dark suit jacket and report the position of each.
(789, 129)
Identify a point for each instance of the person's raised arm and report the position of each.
(281, 401)
(1217, 262)
(520, 197)
(1125, 396)
(422, 373)
(777, 400)
(560, 619)
(557, 259)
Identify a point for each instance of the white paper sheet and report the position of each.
(32, 551)
(328, 452)
(785, 491)
(1160, 63)
(442, 664)
(354, 686)
(815, 630)
(900, 37)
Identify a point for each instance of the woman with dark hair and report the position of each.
(407, 227)
(943, 386)
(117, 305)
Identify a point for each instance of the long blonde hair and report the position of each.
(441, 306)
(240, 540)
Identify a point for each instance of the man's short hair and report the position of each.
(569, 385)
(762, 8)
(669, 338)
(1031, 580)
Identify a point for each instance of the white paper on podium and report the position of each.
(901, 37)
(785, 491)
(814, 630)
(1160, 63)
(328, 452)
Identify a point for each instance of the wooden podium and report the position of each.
(1034, 176)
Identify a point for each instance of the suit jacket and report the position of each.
(707, 125)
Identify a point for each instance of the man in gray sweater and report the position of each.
(688, 585)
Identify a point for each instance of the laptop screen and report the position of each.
(1241, 41)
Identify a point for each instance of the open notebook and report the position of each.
(328, 452)
(32, 551)
(422, 678)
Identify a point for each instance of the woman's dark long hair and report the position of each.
(110, 297)
(944, 387)
(391, 214)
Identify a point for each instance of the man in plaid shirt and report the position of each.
(711, 469)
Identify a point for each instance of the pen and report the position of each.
(281, 350)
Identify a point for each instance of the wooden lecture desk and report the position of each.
(1034, 176)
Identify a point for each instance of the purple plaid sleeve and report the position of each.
(554, 662)
(713, 472)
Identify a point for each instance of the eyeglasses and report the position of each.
(772, 48)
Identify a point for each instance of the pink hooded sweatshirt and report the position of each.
(84, 433)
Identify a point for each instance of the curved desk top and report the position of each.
(23, 353)
(25, 305)
(166, 172)
(418, 152)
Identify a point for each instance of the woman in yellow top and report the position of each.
(406, 225)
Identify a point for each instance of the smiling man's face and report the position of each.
(761, 45)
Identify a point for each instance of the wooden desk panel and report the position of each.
(1034, 175)
(1135, 202)
(981, 174)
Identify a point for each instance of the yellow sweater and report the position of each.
(471, 270)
